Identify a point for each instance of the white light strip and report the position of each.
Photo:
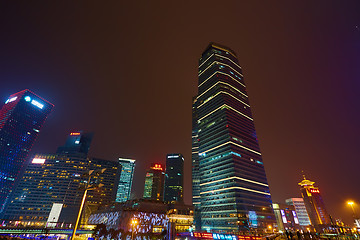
(221, 64)
(243, 179)
(231, 143)
(227, 94)
(229, 60)
(224, 84)
(225, 105)
(241, 188)
(206, 60)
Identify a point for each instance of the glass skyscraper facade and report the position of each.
(230, 189)
(174, 178)
(300, 209)
(154, 183)
(21, 118)
(126, 179)
(60, 178)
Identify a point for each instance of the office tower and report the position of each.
(59, 179)
(300, 210)
(286, 217)
(154, 183)
(21, 119)
(314, 204)
(126, 179)
(195, 169)
(77, 143)
(234, 193)
(174, 178)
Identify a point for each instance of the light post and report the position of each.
(351, 203)
(134, 222)
(88, 187)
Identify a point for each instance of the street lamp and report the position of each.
(88, 187)
(351, 203)
(134, 222)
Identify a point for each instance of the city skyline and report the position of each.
(301, 74)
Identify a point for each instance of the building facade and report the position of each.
(228, 173)
(286, 217)
(59, 179)
(300, 210)
(21, 119)
(314, 204)
(126, 179)
(154, 183)
(174, 178)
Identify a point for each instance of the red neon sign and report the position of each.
(74, 134)
(157, 167)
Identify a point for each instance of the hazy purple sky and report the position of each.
(127, 70)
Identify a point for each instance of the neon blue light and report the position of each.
(36, 103)
(27, 98)
(10, 100)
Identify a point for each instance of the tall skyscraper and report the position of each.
(228, 174)
(21, 119)
(126, 179)
(300, 210)
(314, 204)
(154, 183)
(58, 178)
(174, 178)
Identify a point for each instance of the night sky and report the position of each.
(127, 70)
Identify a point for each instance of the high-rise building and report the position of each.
(300, 210)
(59, 179)
(126, 179)
(228, 173)
(174, 178)
(21, 119)
(314, 204)
(154, 183)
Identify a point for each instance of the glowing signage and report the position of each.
(173, 156)
(223, 236)
(38, 161)
(36, 103)
(10, 100)
(295, 217)
(253, 218)
(27, 98)
(283, 216)
(157, 167)
(74, 134)
(314, 191)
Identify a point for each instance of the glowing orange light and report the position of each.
(74, 134)
(157, 167)
(314, 191)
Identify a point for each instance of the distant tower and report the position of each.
(154, 183)
(174, 178)
(300, 210)
(314, 204)
(77, 142)
(126, 179)
(230, 188)
(21, 119)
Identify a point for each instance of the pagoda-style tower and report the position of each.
(314, 204)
